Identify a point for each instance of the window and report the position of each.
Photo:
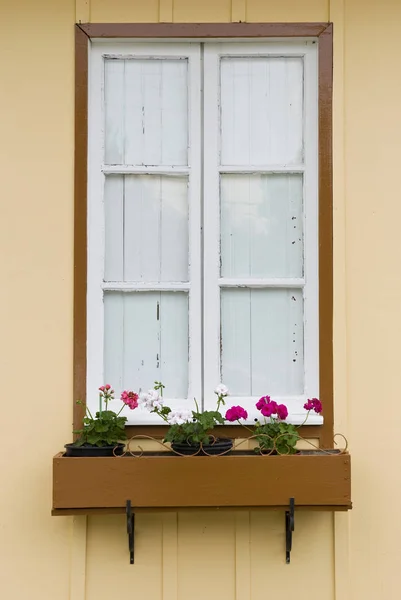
(203, 221)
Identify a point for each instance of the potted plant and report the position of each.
(102, 434)
(190, 430)
(273, 434)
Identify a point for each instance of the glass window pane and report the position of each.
(146, 340)
(146, 111)
(261, 110)
(261, 225)
(262, 341)
(146, 227)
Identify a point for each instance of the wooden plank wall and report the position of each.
(225, 555)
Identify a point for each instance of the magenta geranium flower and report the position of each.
(269, 409)
(282, 412)
(313, 404)
(130, 399)
(262, 402)
(317, 406)
(235, 413)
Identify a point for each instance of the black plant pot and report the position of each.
(219, 446)
(89, 450)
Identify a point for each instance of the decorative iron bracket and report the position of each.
(130, 531)
(289, 528)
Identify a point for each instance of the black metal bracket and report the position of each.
(289, 528)
(130, 531)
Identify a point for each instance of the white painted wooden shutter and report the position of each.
(144, 276)
(259, 269)
(260, 223)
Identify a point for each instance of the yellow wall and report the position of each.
(232, 555)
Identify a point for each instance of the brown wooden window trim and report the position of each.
(324, 31)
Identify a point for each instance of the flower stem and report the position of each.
(306, 418)
(244, 426)
(157, 411)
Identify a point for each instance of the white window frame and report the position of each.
(203, 173)
(97, 171)
(212, 170)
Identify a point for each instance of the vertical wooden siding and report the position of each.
(228, 555)
(234, 556)
(36, 216)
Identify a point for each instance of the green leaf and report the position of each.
(106, 429)
(100, 428)
(93, 439)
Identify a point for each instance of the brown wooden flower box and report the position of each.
(154, 481)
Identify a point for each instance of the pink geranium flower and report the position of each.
(235, 413)
(130, 399)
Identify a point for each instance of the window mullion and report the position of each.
(125, 169)
(139, 286)
(261, 282)
(211, 186)
(262, 169)
(195, 224)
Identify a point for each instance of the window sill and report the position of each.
(316, 481)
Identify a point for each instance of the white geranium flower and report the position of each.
(151, 399)
(179, 416)
(143, 398)
(222, 390)
(154, 395)
(158, 403)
